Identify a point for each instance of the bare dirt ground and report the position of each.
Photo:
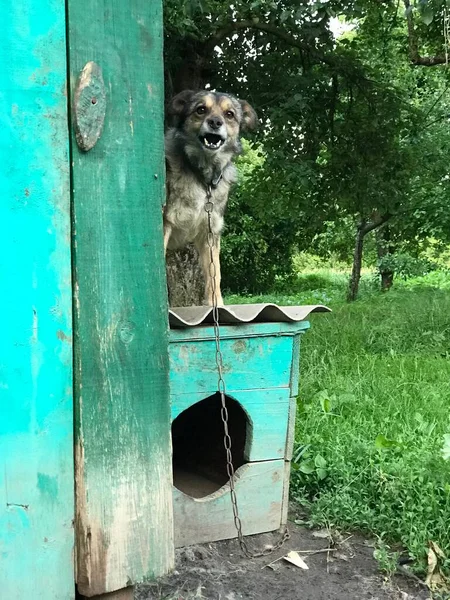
(218, 571)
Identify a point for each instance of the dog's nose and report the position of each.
(215, 122)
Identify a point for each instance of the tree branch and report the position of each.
(278, 32)
(379, 220)
(414, 55)
(429, 61)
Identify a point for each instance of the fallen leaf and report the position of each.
(295, 559)
(435, 579)
(437, 550)
(432, 564)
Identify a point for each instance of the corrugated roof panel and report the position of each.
(234, 314)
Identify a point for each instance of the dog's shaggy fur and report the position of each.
(200, 147)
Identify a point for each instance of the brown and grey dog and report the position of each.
(200, 147)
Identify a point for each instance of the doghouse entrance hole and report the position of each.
(199, 458)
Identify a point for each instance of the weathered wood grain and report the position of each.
(36, 420)
(261, 372)
(285, 501)
(243, 330)
(249, 363)
(295, 364)
(290, 437)
(123, 465)
(259, 490)
(89, 106)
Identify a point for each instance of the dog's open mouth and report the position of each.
(212, 141)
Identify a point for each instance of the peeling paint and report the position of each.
(63, 337)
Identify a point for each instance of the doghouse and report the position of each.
(261, 353)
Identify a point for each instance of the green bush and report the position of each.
(256, 248)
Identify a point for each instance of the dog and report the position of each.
(201, 144)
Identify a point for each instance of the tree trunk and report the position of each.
(190, 75)
(191, 71)
(363, 229)
(357, 263)
(184, 278)
(387, 279)
(385, 247)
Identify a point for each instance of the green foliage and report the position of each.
(446, 447)
(304, 462)
(349, 131)
(321, 287)
(405, 265)
(386, 360)
(387, 559)
(436, 279)
(373, 414)
(257, 246)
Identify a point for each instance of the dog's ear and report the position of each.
(249, 117)
(179, 103)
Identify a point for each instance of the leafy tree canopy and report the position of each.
(354, 128)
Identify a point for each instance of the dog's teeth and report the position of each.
(211, 145)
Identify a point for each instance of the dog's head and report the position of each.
(211, 120)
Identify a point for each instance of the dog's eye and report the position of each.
(201, 110)
(229, 114)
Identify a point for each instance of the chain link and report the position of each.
(209, 207)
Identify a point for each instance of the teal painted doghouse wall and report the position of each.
(261, 371)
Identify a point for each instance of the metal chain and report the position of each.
(209, 207)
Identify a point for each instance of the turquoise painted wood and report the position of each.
(122, 414)
(255, 356)
(261, 370)
(243, 330)
(268, 413)
(36, 446)
(259, 489)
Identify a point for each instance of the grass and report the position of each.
(373, 410)
(323, 286)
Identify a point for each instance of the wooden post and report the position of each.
(123, 453)
(36, 420)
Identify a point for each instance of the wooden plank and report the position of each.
(241, 330)
(295, 365)
(123, 467)
(36, 420)
(267, 412)
(253, 363)
(290, 437)
(259, 490)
